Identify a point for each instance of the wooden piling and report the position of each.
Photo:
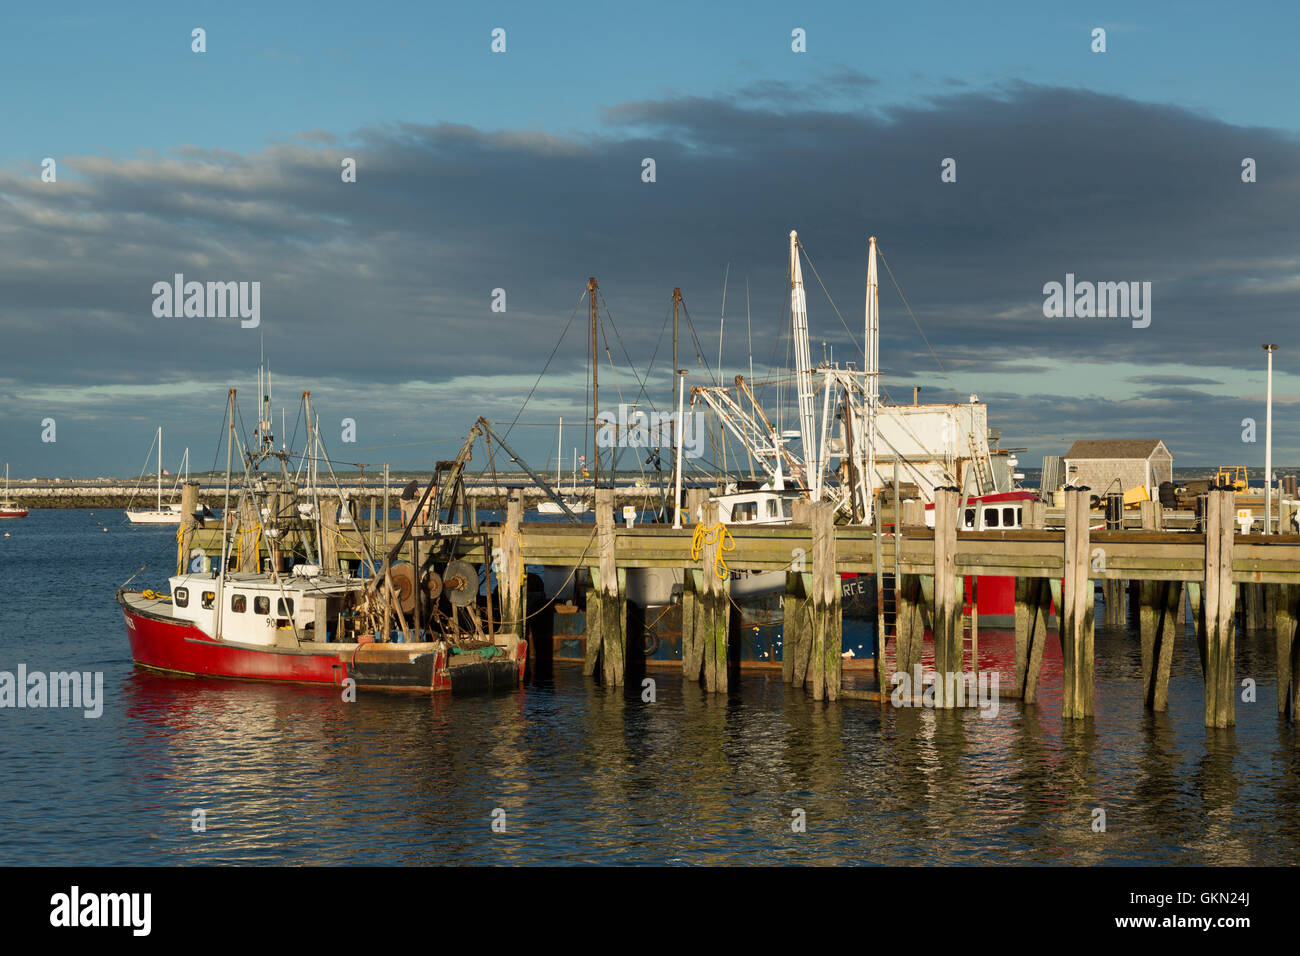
(607, 620)
(826, 597)
(1077, 618)
(717, 603)
(1286, 614)
(1218, 646)
(1160, 603)
(947, 599)
(797, 624)
(329, 536)
(1113, 589)
(510, 576)
(189, 503)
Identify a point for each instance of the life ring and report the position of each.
(649, 643)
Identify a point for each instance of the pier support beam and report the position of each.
(948, 589)
(797, 624)
(606, 601)
(189, 502)
(1217, 638)
(909, 624)
(1077, 613)
(510, 579)
(1033, 605)
(825, 660)
(713, 617)
(1112, 590)
(1160, 605)
(1285, 617)
(329, 536)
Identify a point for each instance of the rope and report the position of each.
(719, 535)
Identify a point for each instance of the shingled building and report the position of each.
(1107, 465)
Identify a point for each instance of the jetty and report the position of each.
(1213, 570)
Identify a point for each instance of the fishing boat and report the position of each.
(8, 507)
(263, 609)
(575, 504)
(905, 450)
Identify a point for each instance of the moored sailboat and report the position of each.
(8, 507)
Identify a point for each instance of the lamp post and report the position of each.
(1268, 443)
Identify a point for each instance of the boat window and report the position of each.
(745, 512)
(261, 605)
(990, 517)
(1008, 517)
(284, 607)
(181, 597)
(239, 603)
(1020, 517)
(970, 518)
(209, 599)
(772, 510)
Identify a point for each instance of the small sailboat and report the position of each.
(575, 504)
(8, 507)
(161, 514)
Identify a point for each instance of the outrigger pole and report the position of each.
(537, 479)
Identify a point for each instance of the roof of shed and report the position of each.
(1115, 448)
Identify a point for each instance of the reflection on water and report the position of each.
(294, 775)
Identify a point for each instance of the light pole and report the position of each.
(1268, 443)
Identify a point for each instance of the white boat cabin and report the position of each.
(259, 611)
(986, 516)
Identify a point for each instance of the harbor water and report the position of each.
(571, 773)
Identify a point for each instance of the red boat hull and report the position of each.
(14, 514)
(181, 648)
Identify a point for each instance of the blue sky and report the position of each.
(519, 169)
(84, 77)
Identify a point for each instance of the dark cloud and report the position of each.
(382, 289)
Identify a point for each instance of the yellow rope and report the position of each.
(718, 533)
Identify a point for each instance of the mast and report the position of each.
(225, 517)
(872, 379)
(803, 373)
(160, 468)
(677, 425)
(559, 457)
(595, 386)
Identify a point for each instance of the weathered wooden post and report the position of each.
(1288, 650)
(329, 536)
(1159, 623)
(608, 643)
(692, 595)
(1113, 589)
(827, 640)
(248, 533)
(909, 603)
(510, 576)
(1033, 604)
(1219, 643)
(1077, 617)
(716, 601)
(947, 602)
(797, 624)
(189, 504)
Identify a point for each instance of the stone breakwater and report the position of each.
(114, 497)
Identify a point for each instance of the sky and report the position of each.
(522, 171)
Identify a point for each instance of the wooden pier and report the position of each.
(1056, 573)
